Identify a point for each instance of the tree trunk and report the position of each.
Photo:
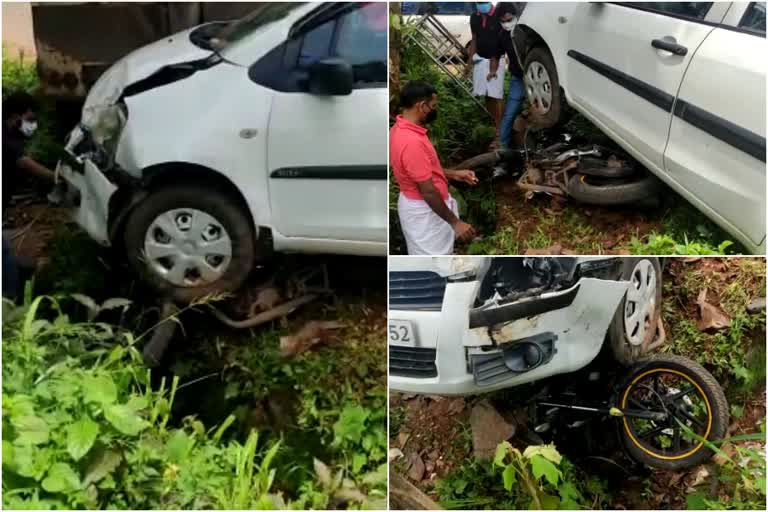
(403, 495)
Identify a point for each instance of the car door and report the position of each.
(626, 61)
(716, 147)
(327, 155)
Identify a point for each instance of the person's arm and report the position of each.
(462, 175)
(31, 166)
(493, 73)
(435, 201)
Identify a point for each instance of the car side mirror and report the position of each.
(330, 77)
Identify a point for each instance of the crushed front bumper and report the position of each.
(88, 189)
(455, 350)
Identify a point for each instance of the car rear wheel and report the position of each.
(188, 241)
(638, 312)
(542, 86)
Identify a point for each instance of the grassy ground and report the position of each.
(324, 410)
(438, 429)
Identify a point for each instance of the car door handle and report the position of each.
(669, 46)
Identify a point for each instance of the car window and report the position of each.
(362, 41)
(695, 10)
(316, 44)
(754, 18)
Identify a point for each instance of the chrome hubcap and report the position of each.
(187, 247)
(539, 86)
(640, 303)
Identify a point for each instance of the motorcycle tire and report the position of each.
(647, 448)
(610, 192)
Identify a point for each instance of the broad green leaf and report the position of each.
(542, 467)
(137, 403)
(61, 478)
(569, 496)
(548, 451)
(501, 452)
(509, 476)
(179, 446)
(351, 423)
(358, 461)
(696, 501)
(105, 462)
(80, 437)
(30, 430)
(100, 389)
(124, 419)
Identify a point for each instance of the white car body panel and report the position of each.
(723, 175)
(725, 183)
(580, 328)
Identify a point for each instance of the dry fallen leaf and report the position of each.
(712, 317)
(308, 336)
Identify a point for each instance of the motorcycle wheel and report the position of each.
(688, 395)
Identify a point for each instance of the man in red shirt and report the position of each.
(428, 214)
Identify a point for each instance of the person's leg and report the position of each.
(512, 108)
(494, 108)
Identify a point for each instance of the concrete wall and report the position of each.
(17, 28)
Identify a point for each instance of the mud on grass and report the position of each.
(421, 425)
(553, 225)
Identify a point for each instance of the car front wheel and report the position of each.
(189, 241)
(542, 86)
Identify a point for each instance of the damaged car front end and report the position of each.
(470, 325)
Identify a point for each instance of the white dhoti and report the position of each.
(481, 86)
(425, 232)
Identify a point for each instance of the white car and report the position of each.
(201, 152)
(679, 85)
(464, 325)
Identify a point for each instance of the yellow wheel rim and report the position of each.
(637, 443)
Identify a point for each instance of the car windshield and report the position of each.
(264, 15)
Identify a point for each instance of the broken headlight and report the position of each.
(102, 126)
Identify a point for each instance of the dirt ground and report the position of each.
(435, 430)
(30, 224)
(572, 228)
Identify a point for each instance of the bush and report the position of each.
(83, 427)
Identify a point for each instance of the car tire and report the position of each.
(219, 212)
(540, 69)
(620, 332)
(718, 412)
(609, 192)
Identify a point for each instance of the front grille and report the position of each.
(415, 362)
(416, 290)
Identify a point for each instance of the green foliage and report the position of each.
(84, 428)
(536, 478)
(666, 245)
(19, 75)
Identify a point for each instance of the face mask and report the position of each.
(483, 7)
(508, 25)
(28, 128)
(431, 116)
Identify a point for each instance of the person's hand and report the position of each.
(491, 76)
(465, 176)
(464, 231)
